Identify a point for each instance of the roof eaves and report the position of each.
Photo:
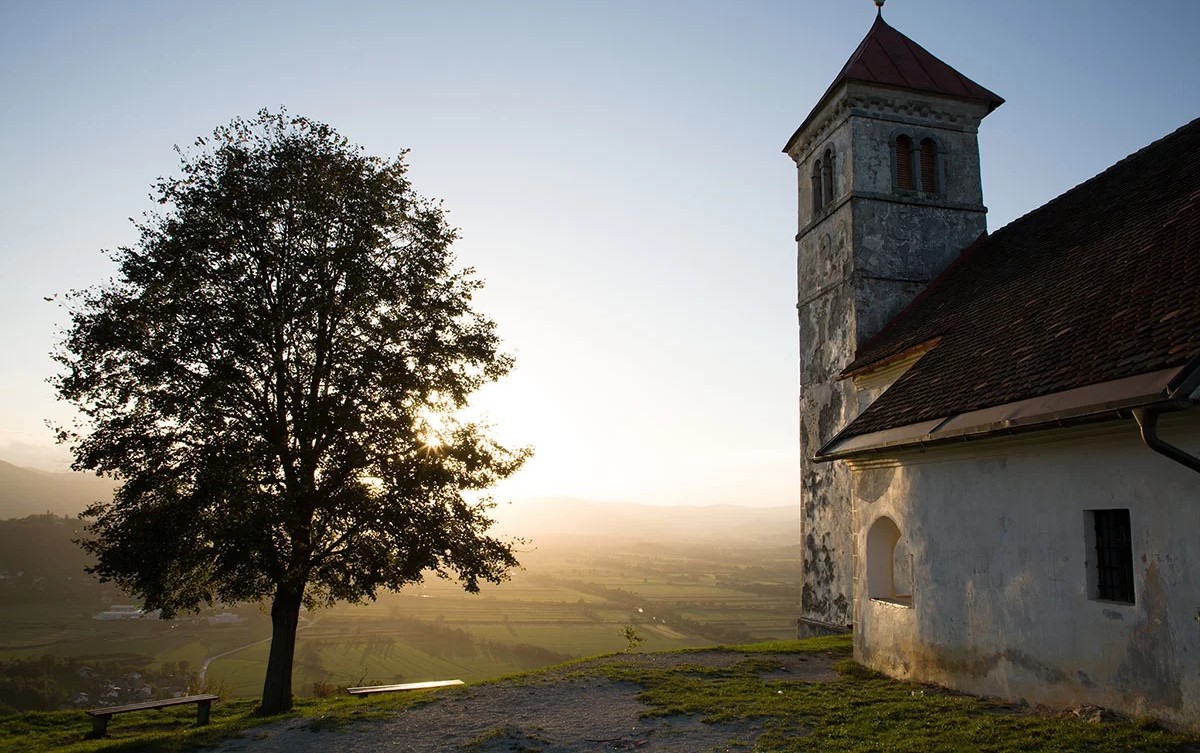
(837, 80)
(1097, 402)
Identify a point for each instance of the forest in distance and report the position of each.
(680, 576)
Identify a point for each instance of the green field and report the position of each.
(564, 603)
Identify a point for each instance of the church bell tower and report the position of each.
(889, 194)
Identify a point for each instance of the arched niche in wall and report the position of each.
(889, 566)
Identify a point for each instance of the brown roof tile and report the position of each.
(887, 57)
(1101, 283)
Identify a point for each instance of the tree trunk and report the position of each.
(285, 617)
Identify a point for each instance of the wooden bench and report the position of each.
(100, 717)
(368, 690)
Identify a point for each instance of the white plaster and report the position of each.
(1001, 569)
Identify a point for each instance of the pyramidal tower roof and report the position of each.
(888, 58)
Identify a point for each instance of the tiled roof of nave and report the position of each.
(1099, 284)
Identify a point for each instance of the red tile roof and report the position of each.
(1100, 284)
(887, 57)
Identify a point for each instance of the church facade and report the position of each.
(999, 433)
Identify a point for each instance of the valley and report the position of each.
(666, 572)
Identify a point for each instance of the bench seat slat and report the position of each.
(165, 702)
(367, 690)
(101, 716)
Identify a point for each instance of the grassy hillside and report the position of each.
(854, 711)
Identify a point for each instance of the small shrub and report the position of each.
(216, 687)
(632, 637)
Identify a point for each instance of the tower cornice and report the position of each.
(901, 106)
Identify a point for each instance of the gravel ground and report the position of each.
(554, 713)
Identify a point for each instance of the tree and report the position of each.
(272, 379)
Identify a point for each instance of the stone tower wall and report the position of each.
(860, 259)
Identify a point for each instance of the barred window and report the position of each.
(1114, 556)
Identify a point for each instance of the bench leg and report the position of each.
(205, 707)
(99, 726)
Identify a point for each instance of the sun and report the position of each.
(432, 429)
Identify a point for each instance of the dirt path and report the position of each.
(553, 713)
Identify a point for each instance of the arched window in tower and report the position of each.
(817, 200)
(904, 163)
(827, 176)
(929, 176)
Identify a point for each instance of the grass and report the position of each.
(831, 644)
(860, 712)
(866, 712)
(174, 730)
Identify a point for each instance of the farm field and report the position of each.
(562, 606)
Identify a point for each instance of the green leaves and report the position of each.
(257, 374)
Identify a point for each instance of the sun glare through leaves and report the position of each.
(433, 429)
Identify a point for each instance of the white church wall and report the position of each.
(997, 534)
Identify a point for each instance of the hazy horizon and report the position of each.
(507, 510)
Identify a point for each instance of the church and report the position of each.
(1000, 432)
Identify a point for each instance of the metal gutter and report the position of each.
(1181, 388)
(1187, 381)
(1107, 401)
(1147, 421)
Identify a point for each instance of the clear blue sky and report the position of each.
(614, 168)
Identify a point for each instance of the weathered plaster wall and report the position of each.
(825, 274)
(827, 344)
(997, 534)
(826, 313)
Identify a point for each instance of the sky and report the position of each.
(614, 168)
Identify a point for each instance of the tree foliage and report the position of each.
(272, 379)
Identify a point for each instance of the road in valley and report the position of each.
(204, 667)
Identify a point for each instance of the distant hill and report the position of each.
(27, 491)
(559, 518)
(43, 545)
